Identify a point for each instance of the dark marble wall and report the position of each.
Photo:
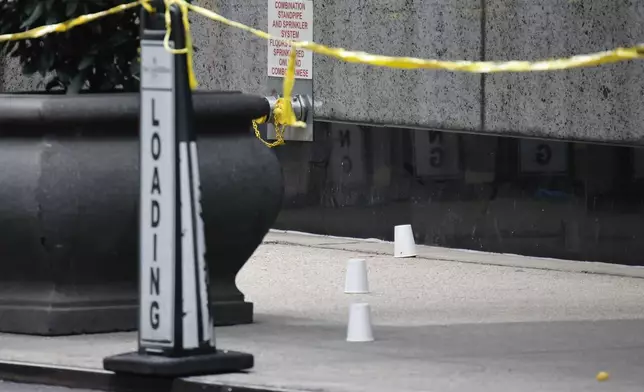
(501, 194)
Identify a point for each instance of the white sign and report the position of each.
(291, 21)
(347, 155)
(196, 315)
(157, 209)
(638, 162)
(538, 156)
(437, 154)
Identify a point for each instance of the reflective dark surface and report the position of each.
(532, 197)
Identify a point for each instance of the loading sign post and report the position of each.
(176, 337)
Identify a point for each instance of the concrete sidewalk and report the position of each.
(440, 325)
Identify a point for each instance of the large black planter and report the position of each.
(69, 172)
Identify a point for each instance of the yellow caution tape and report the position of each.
(585, 60)
(70, 24)
(286, 116)
(279, 121)
(188, 50)
(289, 119)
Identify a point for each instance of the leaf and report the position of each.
(55, 82)
(4, 50)
(37, 13)
(63, 76)
(30, 68)
(135, 68)
(46, 61)
(102, 51)
(77, 83)
(71, 8)
(52, 17)
(107, 85)
(119, 38)
(30, 6)
(86, 62)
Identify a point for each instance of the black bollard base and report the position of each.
(221, 361)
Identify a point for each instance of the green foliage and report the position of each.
(100, 56)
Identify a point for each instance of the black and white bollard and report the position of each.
(176, 335)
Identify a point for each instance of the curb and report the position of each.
(425, 252)
(100, 380)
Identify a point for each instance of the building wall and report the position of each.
(480, 184)
(11, 78)
(598, 104)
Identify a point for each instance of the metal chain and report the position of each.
(279, 133)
